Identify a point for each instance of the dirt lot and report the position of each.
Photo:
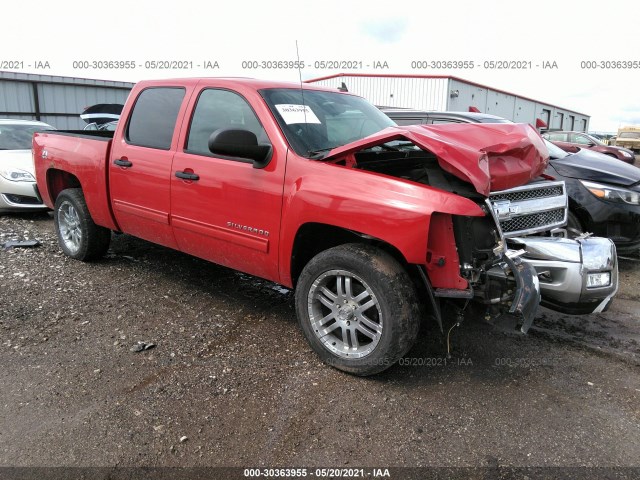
(231, 372)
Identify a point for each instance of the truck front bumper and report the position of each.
(576, 276)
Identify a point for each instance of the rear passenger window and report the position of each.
(218, 109)
(153, 119)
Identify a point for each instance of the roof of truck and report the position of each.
(255, 83)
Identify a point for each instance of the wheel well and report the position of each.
(580, 213)
(313, 238)
(59, 180)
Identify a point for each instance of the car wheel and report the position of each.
(574, 226)
(78, 236)
(357, 308)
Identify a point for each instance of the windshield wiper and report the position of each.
(317, 154)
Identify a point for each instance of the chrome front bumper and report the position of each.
(564, 266)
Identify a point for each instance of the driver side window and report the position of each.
(218, 109)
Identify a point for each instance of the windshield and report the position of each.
(322, 121)
(555, 152)
(18, 137)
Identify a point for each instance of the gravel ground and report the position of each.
(232, 382)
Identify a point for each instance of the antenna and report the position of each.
(304, 105)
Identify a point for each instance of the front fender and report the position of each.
(394, 211)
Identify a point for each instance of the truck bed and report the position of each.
(84, 155)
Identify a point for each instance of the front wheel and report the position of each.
(78, 235)
(358, 308)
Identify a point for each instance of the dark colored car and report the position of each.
(572, 142)
(604, 196)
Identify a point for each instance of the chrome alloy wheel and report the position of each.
(345, 314)
(69, 226)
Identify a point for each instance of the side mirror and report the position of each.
(239, 143)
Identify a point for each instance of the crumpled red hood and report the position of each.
(491, 156)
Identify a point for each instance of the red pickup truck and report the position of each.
(320, 191)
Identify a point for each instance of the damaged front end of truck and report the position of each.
(516, 256)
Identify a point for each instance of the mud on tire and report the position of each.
(357, 308)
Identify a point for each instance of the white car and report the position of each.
(17, 174)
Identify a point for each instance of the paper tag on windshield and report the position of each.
(297, 114)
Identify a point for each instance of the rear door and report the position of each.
(140, 164)
(229, 212)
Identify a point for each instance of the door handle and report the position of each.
(121, 162)
(187, 176)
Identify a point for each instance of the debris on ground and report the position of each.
(141, 346)
(21, 244)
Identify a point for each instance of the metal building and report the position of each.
(57, 101)
(447, 93)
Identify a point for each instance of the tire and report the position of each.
(78, 236)
(574, 226)
(358, 308)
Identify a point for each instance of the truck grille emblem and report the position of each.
(504, 210)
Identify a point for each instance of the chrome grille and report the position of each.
(533, 208)
(552, 191)
(527, 222)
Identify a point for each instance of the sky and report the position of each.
(67, 36)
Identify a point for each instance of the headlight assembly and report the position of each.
(16, 175)
(612, 194)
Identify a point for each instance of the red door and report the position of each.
(227, 212)
(140, 165)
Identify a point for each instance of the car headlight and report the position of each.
(612, 194)
(626, 154)
(17, 175)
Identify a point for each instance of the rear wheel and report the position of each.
(78, 235)
(357, 308)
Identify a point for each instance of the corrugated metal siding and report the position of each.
(75, 98)
(453, 94)
(63, 123)
(421, 93)
(16, 97)
(30, 77)
(60, 99)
